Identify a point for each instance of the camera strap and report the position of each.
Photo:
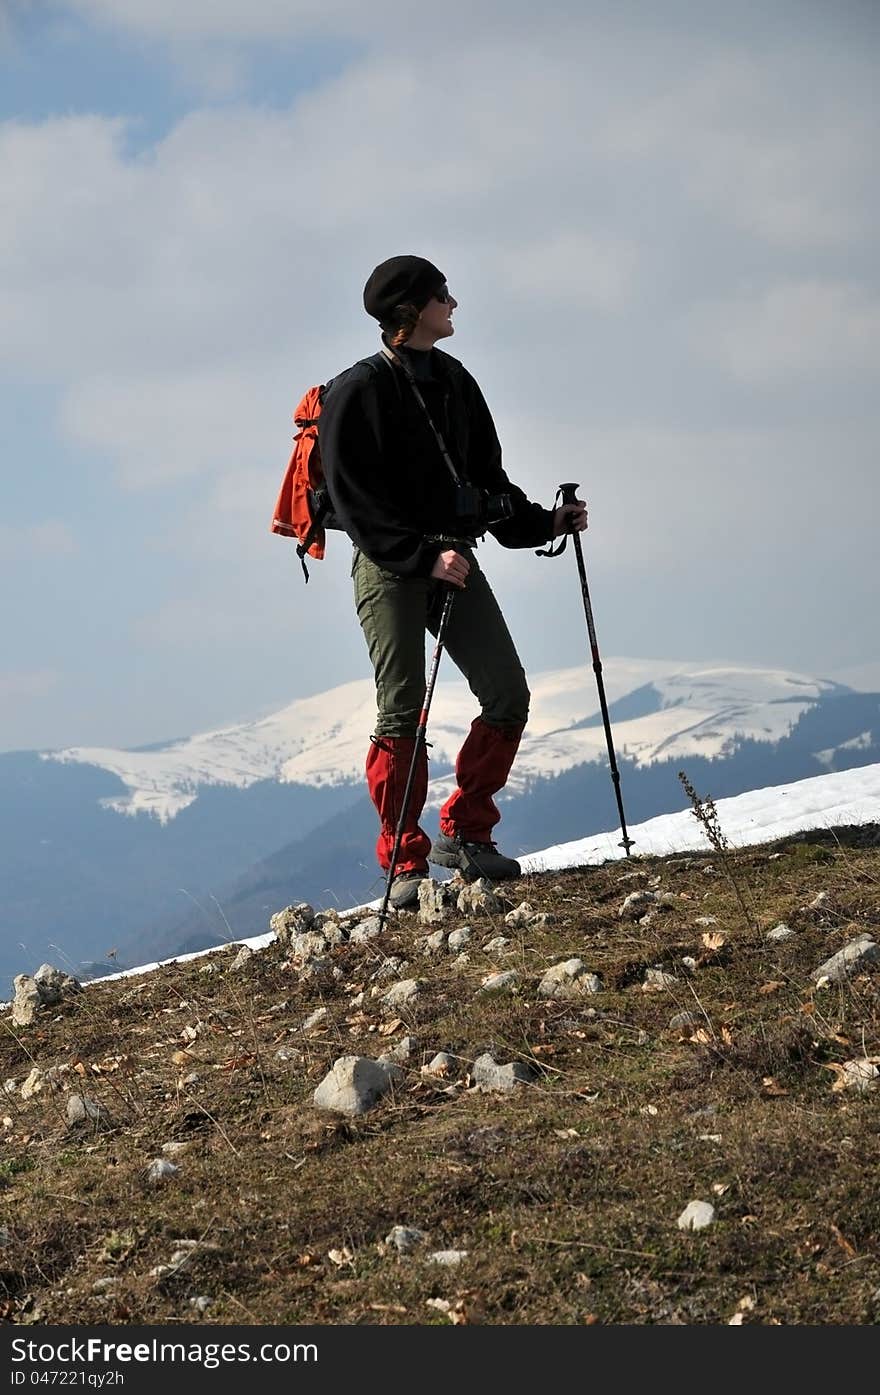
(408, 374)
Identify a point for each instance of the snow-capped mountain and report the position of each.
(658, 714)
(150, 851)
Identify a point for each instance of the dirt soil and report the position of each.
(564, 1193)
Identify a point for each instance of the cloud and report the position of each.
(644, 221)
(381, 22)
(571, 270)
(244, 235)
(691, 501)
(230, 20)
(802, 332)
(160, 428)
(49, 538)
(763, 141)
(166, 292)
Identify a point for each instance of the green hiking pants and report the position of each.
(394, 613)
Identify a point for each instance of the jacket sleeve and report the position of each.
(530, 525)
(364, 500)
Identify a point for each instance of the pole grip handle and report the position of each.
(568, 493)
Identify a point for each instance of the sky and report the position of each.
(661, 227)
(848, 797)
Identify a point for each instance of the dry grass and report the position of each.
(565, 1194)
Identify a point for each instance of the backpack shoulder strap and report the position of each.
(380, 363)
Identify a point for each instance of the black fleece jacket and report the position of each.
(392, 491)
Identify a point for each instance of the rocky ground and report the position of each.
(641, 1093)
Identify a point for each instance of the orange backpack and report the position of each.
(303, 509)
(303, 504)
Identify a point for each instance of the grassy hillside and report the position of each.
(565, 1192)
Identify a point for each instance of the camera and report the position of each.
(476, 508)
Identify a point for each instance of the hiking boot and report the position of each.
(473, 859)
(405, 890)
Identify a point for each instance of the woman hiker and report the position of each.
(413, 467)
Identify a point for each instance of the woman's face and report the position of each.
(436, 318)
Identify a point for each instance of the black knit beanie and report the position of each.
(400, 281)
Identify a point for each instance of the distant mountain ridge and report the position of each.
(320, 740)
(105, 850)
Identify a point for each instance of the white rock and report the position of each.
(656, 981)
(405, 1238)
(389, 968)
(696, 1215)
(436, 901)
(54, 983)
(354, 1084)
(442, 1064)
(367, 930)
(308, 945)
(448, 1258)
(682, 1021)
(327, 920)
(568, 979)
(402, 993)
(503, 982)
(160, 1170)
(405, 1049)
(33, 1084)
(244, 956)
(315, 1019)
(459, 938)
(521, 915)
(779, 933)
(27, 1000)
(847, 961)
(860, 1075)
(636, 904)
(489, 1076)
(479, 898)
(81, 1109)
(497, 945)
(293, 920)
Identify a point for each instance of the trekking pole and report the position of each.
(568, 494)
(418, 746)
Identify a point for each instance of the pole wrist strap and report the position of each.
(555, 550)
